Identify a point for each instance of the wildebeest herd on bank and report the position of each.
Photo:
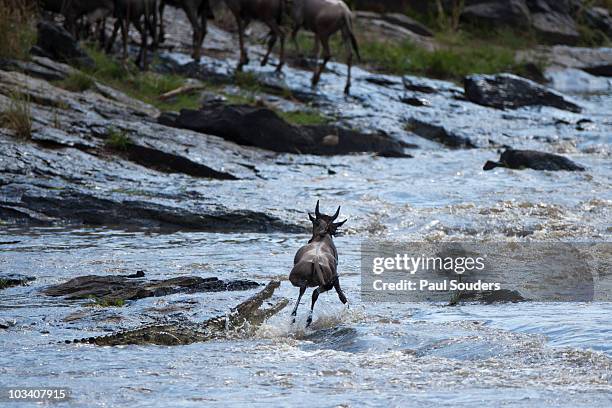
(322, 17)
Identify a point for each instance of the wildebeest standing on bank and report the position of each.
(72, 10)
(315, 264)
(197, 11)
(324, 18)
(268, 11)
(143, 15)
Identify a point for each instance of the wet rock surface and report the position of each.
(507, 91)
(261, 127)
(109, 289)
(68, 173)
(187, 332)
(14, 279)
(520, 159)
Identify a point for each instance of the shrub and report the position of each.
(118, 140)
(77, 82)
(18, 117)
(17, 28)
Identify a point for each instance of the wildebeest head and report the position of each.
(323, 224)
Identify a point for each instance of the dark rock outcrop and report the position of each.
(69, 173)
(409, 23)
(507, 91)
(555, 27)
(245, 316)
(57, 43)
(439, 134)
(520, 159)
(14, 279)
(600, 70)
(510, 12)
(599, 18)
(261, 127)
(109, 289)
(489, 297)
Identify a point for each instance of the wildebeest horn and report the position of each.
(333, 218)
(317, 213)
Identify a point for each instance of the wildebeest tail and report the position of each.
(348, 27)
(317, 268)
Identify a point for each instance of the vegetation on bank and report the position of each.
(77, 82)
(104, 302)
(18, 117)
(17, 28)
(149, 86)
(117, 140)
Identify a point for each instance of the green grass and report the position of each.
(460, 53)
(102, 302)
(145, 86)
(3, 284)
(77, 82)
(17, 28)
(118, 140)
(18, 117)
(304, 118)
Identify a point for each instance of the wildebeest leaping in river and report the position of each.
(315, 264)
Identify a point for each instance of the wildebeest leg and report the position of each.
(192, 15)
(244, 59)
(339, 291)
(162, 32)
(294, 313)
(271, 43)
(142, 54)
(315, 296)
(203, 28)
(326, 57)
(125, 28)
(111, 41)
(294, 32)
(277, 32)
(349, 62)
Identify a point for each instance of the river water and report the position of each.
(526, 354)
(530, 354)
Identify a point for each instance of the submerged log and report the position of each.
(241, 318)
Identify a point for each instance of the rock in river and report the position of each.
(110, 289)
(519, 159)
(510, 91)
(261, 127)
(14, 279)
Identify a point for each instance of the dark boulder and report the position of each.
(261, 127)
(510, 12)
(555, 27)
(600, 70)
(110, 289)
(439, 134)
(489, 297)
(408, 23)
(56, 43)
(510, 91)
(14, 279)
(520, 159)
(599, 18)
